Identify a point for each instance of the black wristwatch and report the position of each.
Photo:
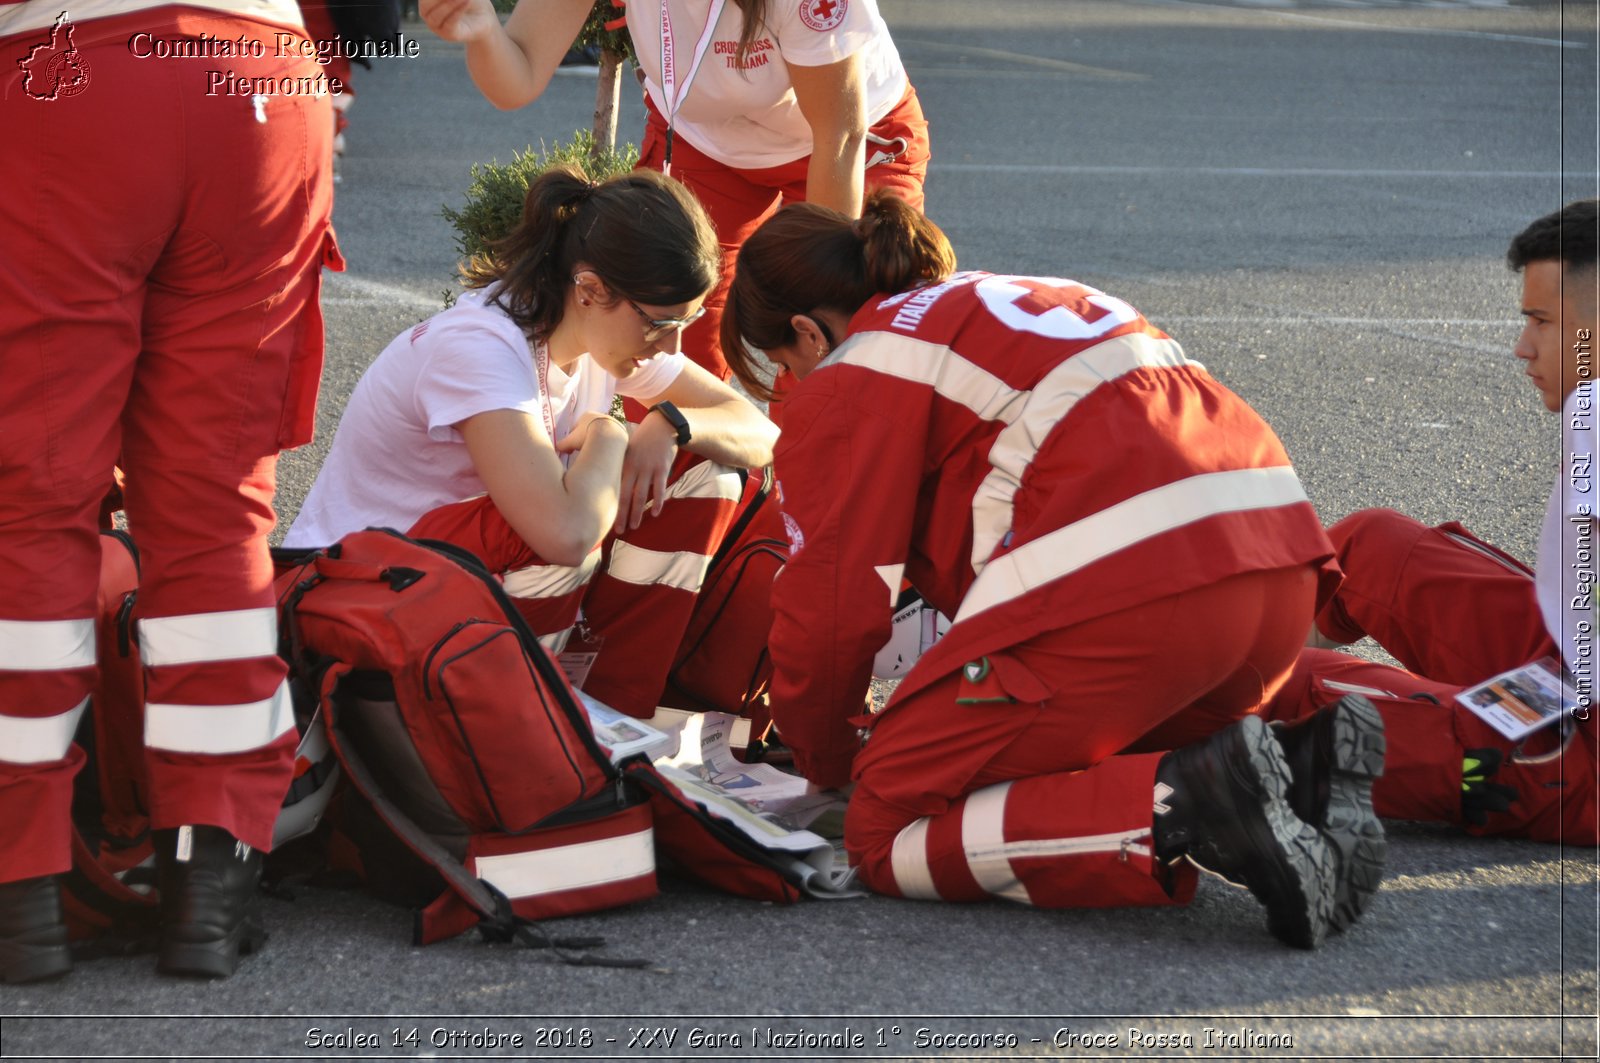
(679, 423)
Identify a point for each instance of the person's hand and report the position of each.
(581, 433)
(1479, 796)
(651, 452)
(459, 20)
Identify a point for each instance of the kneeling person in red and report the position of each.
(488, 426)
(1127, 556)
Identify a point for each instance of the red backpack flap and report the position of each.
(722, 663)
(457, 654)
(702, 845)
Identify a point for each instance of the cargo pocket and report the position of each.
(469, 671)
(299, 420)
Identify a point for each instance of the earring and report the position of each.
(583, 302)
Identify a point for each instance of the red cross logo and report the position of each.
(823, 15)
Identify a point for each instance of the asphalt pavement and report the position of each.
(1314, 198)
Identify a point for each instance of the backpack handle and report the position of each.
(398, 577)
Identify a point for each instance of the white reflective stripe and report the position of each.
(38, 740)
(1356, 688)
(570, 867)
(983, 839)
(1036, 848)
(218, 728)
(1049, 403)
(550, 581)
(708, 480)
(684, 570)
(909, 862)
(937, 366)
(1081, 543)
(1463, 541)
(198, 638)
(46, 645)
(556, 641)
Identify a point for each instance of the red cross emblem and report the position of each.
(823, 15)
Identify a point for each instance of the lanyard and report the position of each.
(541, 363)
(669, 74)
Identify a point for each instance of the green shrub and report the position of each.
(494, 197)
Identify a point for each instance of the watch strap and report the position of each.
(676, 419)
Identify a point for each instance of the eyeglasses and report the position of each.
(658, 327)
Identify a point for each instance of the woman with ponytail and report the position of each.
(748, 102)
(488, 425)
(1128, 558)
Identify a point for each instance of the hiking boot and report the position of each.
(1225, 807)
(1333, 756)
(208, 889)
(33, 936)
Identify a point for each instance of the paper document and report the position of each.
(1519, 702)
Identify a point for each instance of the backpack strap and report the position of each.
(496, 920)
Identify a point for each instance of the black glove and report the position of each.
(1479, 796)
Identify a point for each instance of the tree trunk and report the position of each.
(607, 94)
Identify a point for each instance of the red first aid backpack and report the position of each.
(722, 663)
(462, 736)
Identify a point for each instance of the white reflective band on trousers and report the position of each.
(707, 479)
(218, 729)
(685, 569)
(38, 740)
(569, 867)
(46, 645)
(199, 638)
(550, 581)
(1161, 509)
(1046, 406)
(989, 854)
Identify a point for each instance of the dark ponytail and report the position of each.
(645, 235)
(807, 258)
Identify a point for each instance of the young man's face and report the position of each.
(1558, 335)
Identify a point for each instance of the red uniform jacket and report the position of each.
(1030, 453)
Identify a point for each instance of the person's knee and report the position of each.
(1367, 528)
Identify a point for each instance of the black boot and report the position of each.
(1334, 756)
(208, 884)
(33, 936)
(1227, 810)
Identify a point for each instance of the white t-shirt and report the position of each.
(397, 453)
(749, 119)
(1567, 543)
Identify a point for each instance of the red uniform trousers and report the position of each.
(636, 590)
(1455, 611)
(158, 300)
(1036, 783)
(738, 201)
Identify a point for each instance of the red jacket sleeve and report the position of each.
(848, 476)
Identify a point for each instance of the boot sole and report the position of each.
(1297, 888)
(1351, 827)
(211, 959)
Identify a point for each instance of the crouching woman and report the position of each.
(1126, 551)
(488, 425)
